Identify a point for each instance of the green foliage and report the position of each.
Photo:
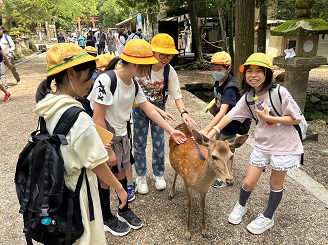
(295, 27)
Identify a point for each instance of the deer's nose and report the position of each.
(230, 182)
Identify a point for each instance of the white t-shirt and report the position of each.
(153, 88)
(119, 106)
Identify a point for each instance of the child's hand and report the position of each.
(264, 115)
(167, 116)
(178, 137)
(123, 196)
(203, 131)
(188, 120)
(112, 158)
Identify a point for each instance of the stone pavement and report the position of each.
(300, 219)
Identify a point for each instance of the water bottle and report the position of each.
(259, 105)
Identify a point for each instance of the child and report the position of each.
(164, 50)
(112, 111)
(276, 141)
(71, 68)
(10, 66)
(226, 98)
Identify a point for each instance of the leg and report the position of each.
(3, 74)
(189, 197)
(171, 195)
(13, 70)
(140, 133)
(202, 208)
(157, 135)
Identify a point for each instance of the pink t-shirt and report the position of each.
(278, 139)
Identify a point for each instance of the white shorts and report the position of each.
(278, 162)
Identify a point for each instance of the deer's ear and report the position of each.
(238, 142)
(200, 138)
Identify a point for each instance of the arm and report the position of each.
(106, 175)
(177, 136)
(99, 114)
(185, 116)
(223, 122)
(265, 116)
(216, 119)
(10, 66)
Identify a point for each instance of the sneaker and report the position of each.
(131, 193)
(218, 183)
(130, 218)
(160, 183)
(7, 96)
(260, 225)
(5, 85)
(116, 227)
(237, 214)
(18, 83)
(142, 186)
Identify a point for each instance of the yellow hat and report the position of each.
(90, 49)
(259, 59)
(138, 51)
(103, 60)
(163, 43)
(65, 55)
(221, 58)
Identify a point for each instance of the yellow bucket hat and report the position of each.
(103, 60)
(163, 43)
(221, 58)
(259, 59)
(65, 55)
(138, 51)
(90, 49)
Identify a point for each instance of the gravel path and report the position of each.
(300, 219)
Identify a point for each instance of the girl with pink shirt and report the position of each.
(276, 141)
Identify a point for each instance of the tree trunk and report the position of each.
(222, 26)
(261, 38)
(196, 43)
(245, 15)
(231, 33)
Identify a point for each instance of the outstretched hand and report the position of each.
(188, 120)
(178, 136)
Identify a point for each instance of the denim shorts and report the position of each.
(277, 162)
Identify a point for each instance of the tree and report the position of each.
(261, 38)
(244, 33)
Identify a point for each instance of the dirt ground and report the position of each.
(301, 218)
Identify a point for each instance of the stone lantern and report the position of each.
(301, 34)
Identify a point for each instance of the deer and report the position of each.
(199, 161)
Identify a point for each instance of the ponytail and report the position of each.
(43, 89)
(112, 63)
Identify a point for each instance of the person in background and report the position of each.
(112, 111)
(111, 41)
(225, 99)
(60, 38)
(91, 40)
(101, 41)
(153, 86)
(71, 68)
(272, 140)
(2, 88)
(8, 47)
(81, 40)
(121, 42)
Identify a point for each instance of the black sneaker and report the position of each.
(116, 227)
(130, 218)
(218, 183)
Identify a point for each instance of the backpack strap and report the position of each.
(6, 37)
(113, 82)
(250, 103)
(166, 82)
(230, 84)
(67, 120)
(275, 99)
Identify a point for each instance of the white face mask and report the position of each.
(218, 75)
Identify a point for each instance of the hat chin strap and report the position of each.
(76, 96)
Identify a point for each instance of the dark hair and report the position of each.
(45, 86)
(267, 84)
(115, 60)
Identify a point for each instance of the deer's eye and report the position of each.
(214, 157)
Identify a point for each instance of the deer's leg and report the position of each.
(202, 209)
(189, 198)
(172, 192)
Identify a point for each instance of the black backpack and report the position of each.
(51, 211)
(242, 127)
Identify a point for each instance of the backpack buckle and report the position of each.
(44, 212)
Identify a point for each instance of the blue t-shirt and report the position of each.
(230, 97)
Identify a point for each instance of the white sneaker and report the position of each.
(141, 185)
(160, 183)
(237, 214)
(260, 225)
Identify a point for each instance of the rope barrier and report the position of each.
(210, 43)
